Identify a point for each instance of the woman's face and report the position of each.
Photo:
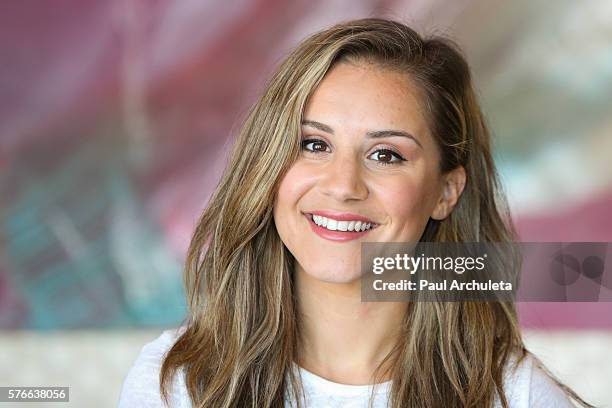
(367, 155)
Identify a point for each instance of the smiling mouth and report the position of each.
(354, 226)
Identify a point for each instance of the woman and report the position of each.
(367, 132)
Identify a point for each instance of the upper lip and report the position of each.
(341, 216)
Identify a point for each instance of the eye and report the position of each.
(317, 146)
(386, 157)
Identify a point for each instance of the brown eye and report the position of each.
(386, 157)
(317, 146)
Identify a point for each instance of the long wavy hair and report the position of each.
(241, 334)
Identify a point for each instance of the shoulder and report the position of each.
(526, 384)
(141, 385)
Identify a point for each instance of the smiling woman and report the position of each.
(367, 155)
(367, 132)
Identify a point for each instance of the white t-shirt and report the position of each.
(527, 386)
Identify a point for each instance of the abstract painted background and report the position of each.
(116, 117)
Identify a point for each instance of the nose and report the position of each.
(343, 179)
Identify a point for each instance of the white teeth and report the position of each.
(335, 225)
(332, 225)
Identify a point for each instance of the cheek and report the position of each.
(292, 187)
(408, 201)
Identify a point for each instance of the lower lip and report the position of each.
(341, 236)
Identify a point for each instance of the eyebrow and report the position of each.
(374, 134)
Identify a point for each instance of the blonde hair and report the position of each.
(241, 334)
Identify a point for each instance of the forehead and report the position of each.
(367, 96)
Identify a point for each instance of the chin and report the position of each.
(336, 276)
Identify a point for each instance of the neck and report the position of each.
(341, 338)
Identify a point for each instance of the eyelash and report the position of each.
(305, 142)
